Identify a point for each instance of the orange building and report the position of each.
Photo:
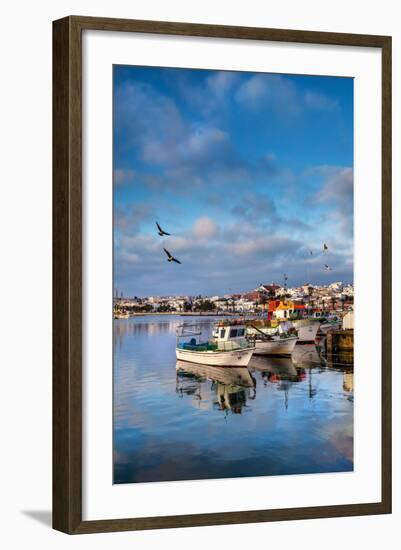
(284, 309)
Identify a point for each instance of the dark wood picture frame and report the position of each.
(67, 274)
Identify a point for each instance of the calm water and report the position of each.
(181, 421)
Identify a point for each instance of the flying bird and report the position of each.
(325, 247)
(327, 268)
(171, 258)
(161, 231)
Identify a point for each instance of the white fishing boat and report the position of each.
(121, 315)
(278, 341)
(228, 346)
(307, 329)
(275, 345)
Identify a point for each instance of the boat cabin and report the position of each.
(229, 332)
(230, 336)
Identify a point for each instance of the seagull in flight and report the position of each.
(327, 268)
(325, 247)
(171, 258)
(161, 231)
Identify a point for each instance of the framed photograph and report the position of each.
(222, 274)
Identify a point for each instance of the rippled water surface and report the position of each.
(176, 421)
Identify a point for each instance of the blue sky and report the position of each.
(249, 172)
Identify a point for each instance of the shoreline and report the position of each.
(180, 313)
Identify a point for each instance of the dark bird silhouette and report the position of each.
(171, 258)
(325, 247)
(161, 231)
(327, 268)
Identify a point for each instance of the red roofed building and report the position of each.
(253, 296)
(284, 309)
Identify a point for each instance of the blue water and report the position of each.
(279, 416)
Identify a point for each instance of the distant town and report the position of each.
(304, 300)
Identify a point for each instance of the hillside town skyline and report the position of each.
(336, 295)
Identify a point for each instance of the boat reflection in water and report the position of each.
(280, 371)
(233, 386)
(308, 357)
(305, 364)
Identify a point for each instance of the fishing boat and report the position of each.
(275, 345)
(281, 343)
(121, 315)
(228, 346)
(280, 340)
(306, 329)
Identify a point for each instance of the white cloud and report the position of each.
(252, 90)
(280, 92)
(270, 156)
(337, 194)
(181, 244)
(203, 140)
(221, 83)
(269, 89)
(264, 247)
(319, 101)
(338, 187)
(204, 228)
(257, 208)
(123, 175)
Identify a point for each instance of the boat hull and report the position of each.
(280, 346)
(233, 358)
(306, 331)
(325, 327)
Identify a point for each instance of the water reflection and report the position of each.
(231, 385)
(177, 420)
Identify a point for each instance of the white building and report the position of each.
(348, 320)
(244, 305)
(222, 304)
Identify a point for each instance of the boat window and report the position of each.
(233, 332)
(241, 332)
(222, 333)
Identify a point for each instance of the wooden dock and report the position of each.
(340, 340)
